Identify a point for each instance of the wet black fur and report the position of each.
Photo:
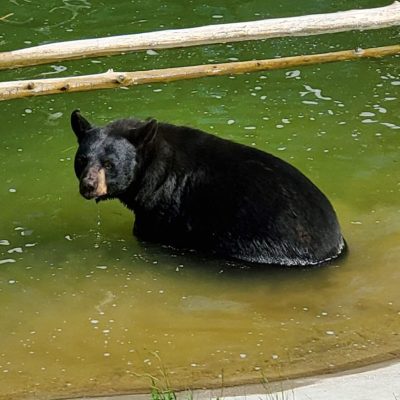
(190, 189)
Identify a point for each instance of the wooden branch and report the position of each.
(3, 18)
(295, 26)
(111, 79)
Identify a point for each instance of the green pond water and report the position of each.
(88, 309)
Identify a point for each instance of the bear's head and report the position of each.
(107, 158)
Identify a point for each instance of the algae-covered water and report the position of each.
(88, 309)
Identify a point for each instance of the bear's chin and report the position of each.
(101, 198)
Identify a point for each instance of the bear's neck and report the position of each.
(158, 175)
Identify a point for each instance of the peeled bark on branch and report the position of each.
(111, 79)
(374, 18)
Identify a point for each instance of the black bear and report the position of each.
(193, 190)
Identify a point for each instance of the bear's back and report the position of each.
(247, 202)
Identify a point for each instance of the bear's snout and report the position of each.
(93, 184)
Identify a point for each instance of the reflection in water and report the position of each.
(75, 7)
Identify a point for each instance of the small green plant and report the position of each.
(158, 393)
(161, 387)
(277, 391)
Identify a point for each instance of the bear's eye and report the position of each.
(107, 164)
(81, 159)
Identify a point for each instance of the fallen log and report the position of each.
(111, 79)
(373, 18)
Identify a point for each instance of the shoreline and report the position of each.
(378, 380)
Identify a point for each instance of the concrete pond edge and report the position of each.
(379, 380)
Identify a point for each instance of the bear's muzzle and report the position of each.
(93, 184)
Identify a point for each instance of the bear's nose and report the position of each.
(87, 188)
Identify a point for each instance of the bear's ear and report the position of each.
(79, 124)
(144, 134)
